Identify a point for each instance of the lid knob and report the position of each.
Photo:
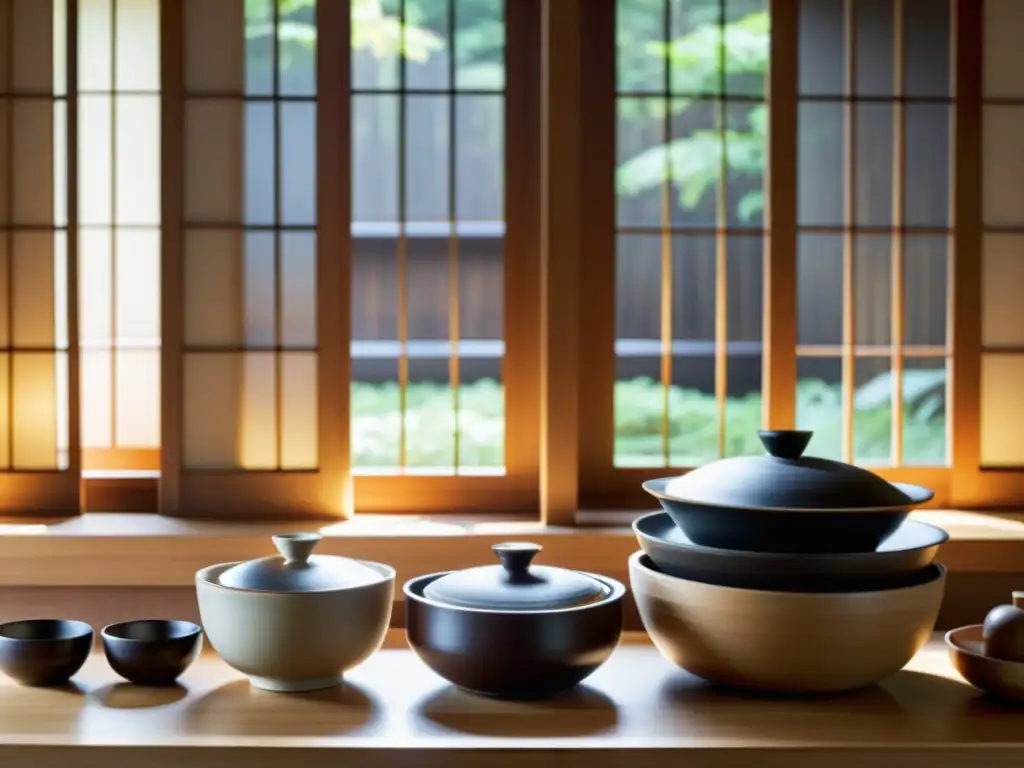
(515, 557)
(785, 443)
(296, 547)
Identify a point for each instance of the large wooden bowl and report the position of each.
(787, 642)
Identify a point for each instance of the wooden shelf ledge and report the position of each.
(394, 712)
(145, 550)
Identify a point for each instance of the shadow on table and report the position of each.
(583, 711)
(238, 708)
(128, 696)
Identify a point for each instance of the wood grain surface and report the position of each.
(394, 711)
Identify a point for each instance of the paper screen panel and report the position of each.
(1003, 176)
(137, 53)
(138, 160)
(1003, 280)
(97, 378)
(32, 289)
(34, 393)
(1002, 410)
(214, 46)
(138, 280)
(298, 289)
(259, 411)
(212, 412)
(95, 35)
(214, 160)
(1003, 54)
(32, 42)
(213, 270)
(95, 200)
(33, 161)
(138, 397)
(298, 410)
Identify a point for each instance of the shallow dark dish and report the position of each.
(785, 502)
(910, 549)
(44, 651)
(514, 653)
(1000, 678)
(151, 651)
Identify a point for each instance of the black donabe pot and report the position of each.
(786, 502)
(546, 632)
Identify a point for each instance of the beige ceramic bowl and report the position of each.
(1002, 678)
(785, 641)
(295, 641)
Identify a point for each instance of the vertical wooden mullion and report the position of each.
(334, 252)
(561, 233)
(665, 238)
(780, 289)
(721, 243)
(965, 266)
(71, 241)
(521, 257)
(849, 358)
(402, 250)
(453, 243)
(897, 307)
(597, 282)
(172, 127)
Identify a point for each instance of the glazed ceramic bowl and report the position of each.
(44, 651)
(785, 502)
(911, 548)
(517, 633)
(302, 622)
(151, 651)
(1000, 678)
(788, 642)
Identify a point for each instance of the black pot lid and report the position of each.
(785, 479)
(515, 585)
(297, 569)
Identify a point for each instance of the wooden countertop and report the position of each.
(396, 712)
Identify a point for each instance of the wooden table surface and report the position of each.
(394, 711)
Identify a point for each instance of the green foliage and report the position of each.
(639, 405)
(694, 162)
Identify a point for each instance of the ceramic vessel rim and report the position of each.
(926, 495)
(635, 562)
(205, 575)
(83, 629)
(953, 644)
(748, 553)
(616, 591)
(193, 630)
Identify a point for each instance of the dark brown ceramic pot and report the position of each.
(545, 631)
(44, 651)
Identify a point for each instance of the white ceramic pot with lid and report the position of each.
(295, 621)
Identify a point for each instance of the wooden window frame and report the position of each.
(558, 285)
(964, 483)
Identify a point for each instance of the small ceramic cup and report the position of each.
(44, 651)
(151, 651)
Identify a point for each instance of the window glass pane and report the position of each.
(820, 171)
(1002, 280)
(925, 398)
(428, 210)
(819, 405)
(874, 47)
(822, 53)
(1003, 167)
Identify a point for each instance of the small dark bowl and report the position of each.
(44, 651)
(513, 654)
(151, 651)
(789, 531)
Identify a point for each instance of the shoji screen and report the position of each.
(255, 403)
(38, 378)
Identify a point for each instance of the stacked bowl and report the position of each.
(787, 573)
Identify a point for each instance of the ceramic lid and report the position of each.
(515, 585)
(785, 479)
(297, 569)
